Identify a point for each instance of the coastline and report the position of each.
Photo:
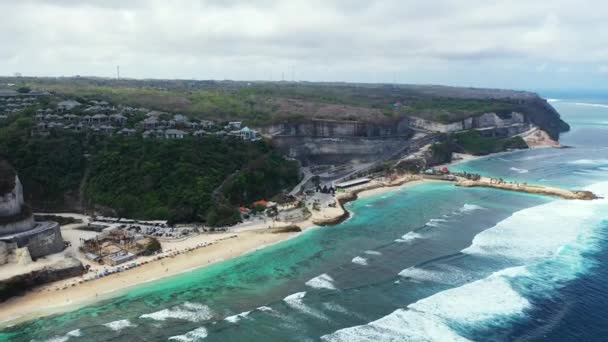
(67, 295)
(185, 256)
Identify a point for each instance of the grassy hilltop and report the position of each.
(263, 103)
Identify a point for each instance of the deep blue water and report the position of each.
(425, 263)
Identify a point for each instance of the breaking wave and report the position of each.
(296, 301)
(236, 318)
(372, 253)
(435, 222)
(545, 246)
(467, 208)
(120, 325)
(359, 261)
(409, 237)
(192, 312)
(323, 281)
(194, 335)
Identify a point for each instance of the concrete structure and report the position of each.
(18, 230)
(355, 182)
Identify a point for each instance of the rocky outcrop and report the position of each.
(18, 228)
(484, 121)
(320, 141)
(325, 128)
(530, 189)
(311, 150)
(541, 114)
(19, 284)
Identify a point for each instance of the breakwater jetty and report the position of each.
(526, 188)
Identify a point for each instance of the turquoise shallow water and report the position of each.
(430, 262)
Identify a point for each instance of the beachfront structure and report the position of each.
(20, 235)
(352, 183)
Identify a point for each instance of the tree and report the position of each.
(24, 90)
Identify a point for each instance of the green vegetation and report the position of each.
(473, 142)
(49, 167)
(447, 110)
(176, 179)
(144, 179)
(153, 246)
(262, 103)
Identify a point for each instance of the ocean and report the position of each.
(430, 262)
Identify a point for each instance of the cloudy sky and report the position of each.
(511, 43)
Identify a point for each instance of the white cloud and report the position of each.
(443, 41)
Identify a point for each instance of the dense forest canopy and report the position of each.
(146, 179)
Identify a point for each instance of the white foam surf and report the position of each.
(520, 171)
(236, 318)
(547, 240)
(58, 339)
(467, 208)
(264, 309)
(66, 337)
(372, 253)
(296, 301)
(192, 312)
(409, 237)
(74, 333)
(359, 261)
(589, 162)
(435, 222)
(537, 233)
(429, 319)
(323, 281)
(192, 336)
(120, 325)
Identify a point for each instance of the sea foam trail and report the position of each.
(549, 234)
(409, 237)
(467, 208)
(537, 233)
(120, 325)
(520, 171)
(444, 275)
(66, 337)
(323, 281)
(236, 318)
(436, 222)
(296, 301)
(192, 336)
(192, 312)
(359, 261)
(589, 162)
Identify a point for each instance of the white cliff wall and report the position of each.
(486, 120)
(11, 203)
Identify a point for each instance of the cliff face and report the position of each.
(543, 115)
(319, 141)
(324, 128)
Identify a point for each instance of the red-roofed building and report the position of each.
(260, 203)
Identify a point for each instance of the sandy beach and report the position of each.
(178, 257)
